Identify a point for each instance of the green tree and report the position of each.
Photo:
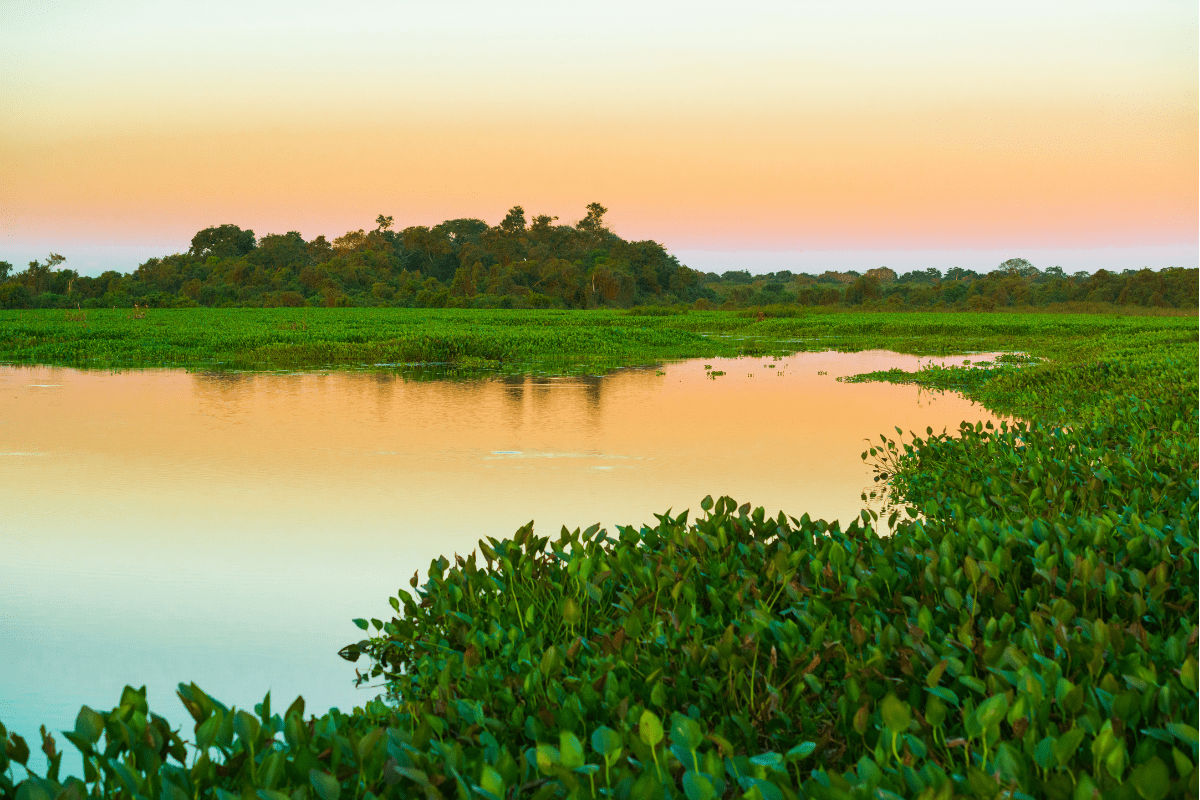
(223, 241)
(514, 221)
(593, 222)
(1018, 266)
(281, 251)
(863, 288)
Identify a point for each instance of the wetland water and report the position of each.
(164, 526)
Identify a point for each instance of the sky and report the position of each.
(756, 135)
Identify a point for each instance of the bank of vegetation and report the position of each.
(523, 341)
(539, 263)
(1029, 629)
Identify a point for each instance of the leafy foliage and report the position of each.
(1028, 629)
(460, 263)
(465, 263)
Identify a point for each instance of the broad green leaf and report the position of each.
(772, 761)
(944, 694)
(246, 726)
(89, 724)
(492, 782)
(895, 714)
(934, 676)
(1043, 753)
(1184, 732)
(697, 786)
(326, 786)
(991, 711)
(605, 740)
(685, 731)
(547, 757)
(570, 749)
(650, 728)
(1151, 780)
(17, 749)
(1067, 744)
(802, 750)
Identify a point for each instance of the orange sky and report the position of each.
(776, 126)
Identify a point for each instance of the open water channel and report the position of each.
(166, 526)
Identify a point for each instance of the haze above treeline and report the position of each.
(540, 263)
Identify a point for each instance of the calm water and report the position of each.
(163, 526)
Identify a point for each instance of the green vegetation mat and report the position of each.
(1029, 630)
(269, 339)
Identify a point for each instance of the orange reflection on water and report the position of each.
(224, 528)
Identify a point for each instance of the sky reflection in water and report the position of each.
(164, 526)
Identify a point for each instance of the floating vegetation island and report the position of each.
(1028, 630)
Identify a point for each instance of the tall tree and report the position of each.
(513, 222)
(222, 241)
(594, 221)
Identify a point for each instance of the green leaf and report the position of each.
(697, 786)
(246, 727)
(934, 676)
(571, 750)
(1043, 753)
(572, 614)
(17, 749)
(971, 682)
(551, 660)
(362, 623)
(326, 786)
(492, 781)
(945, 694)
(136, 699)
(685, 731)
(547, 757)
(606, 741)
(992, 710)
(1151, 780)
(172, 792)
(32, 790)
(1067, 744)
(1085, 789)
(1185, 732)
(650, 728)
(772, 761)
(89, 724)
(128, 778)
(802, 750)
(895, 714)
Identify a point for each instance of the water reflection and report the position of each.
(224, 528)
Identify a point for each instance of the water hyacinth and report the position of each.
(1028, 629)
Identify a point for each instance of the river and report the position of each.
(165, 526)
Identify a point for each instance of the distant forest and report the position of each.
(465, 263)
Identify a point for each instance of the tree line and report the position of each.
(1014, 283)
(536, 263)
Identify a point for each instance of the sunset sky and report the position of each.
(757, 136)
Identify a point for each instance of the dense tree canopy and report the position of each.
(537, 263)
